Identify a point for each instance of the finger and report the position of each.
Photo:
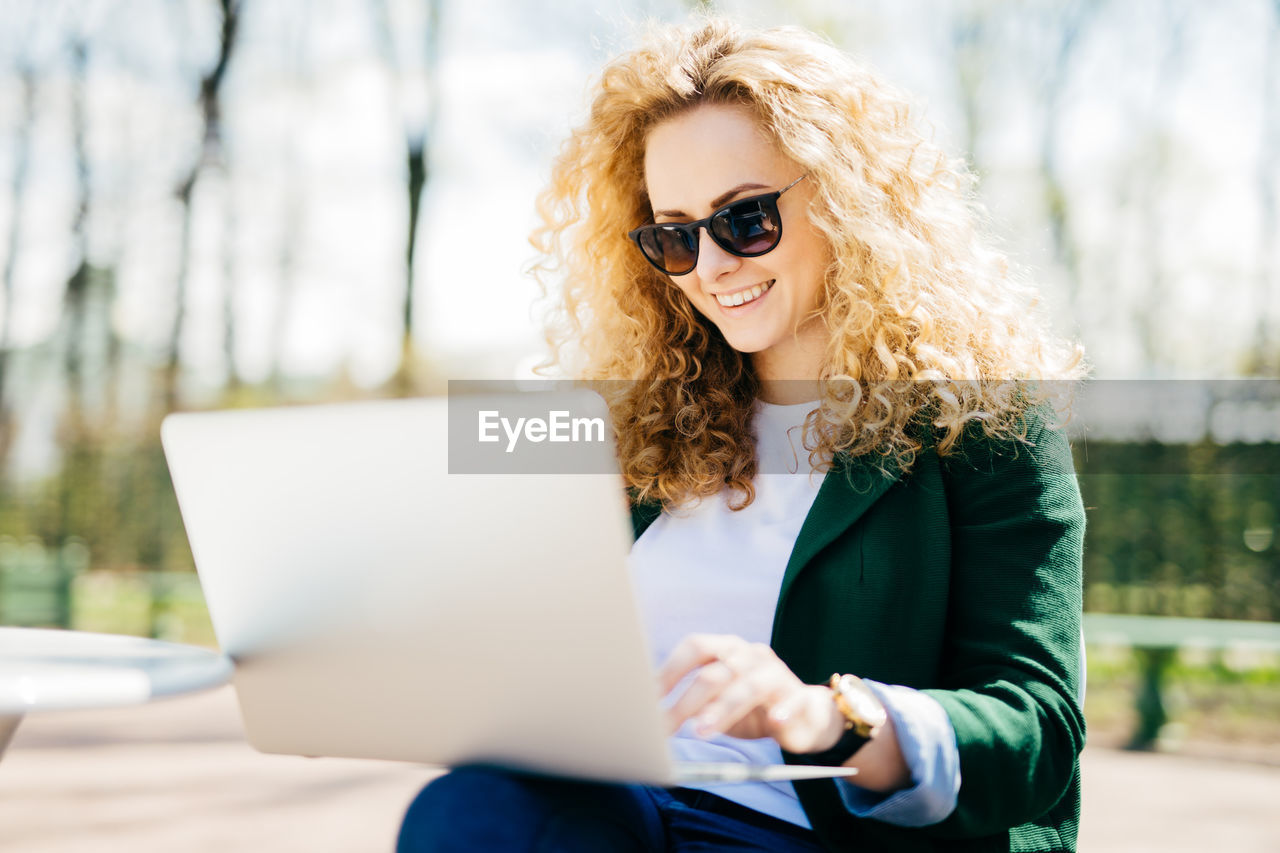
(784, 710)
(692, 652)
(749, 657)
(762, 677)
(710, 681)
(746, 694)
(800, 723)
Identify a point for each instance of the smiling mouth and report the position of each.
(742, 297)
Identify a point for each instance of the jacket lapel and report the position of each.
(848, 490)
(642, 515)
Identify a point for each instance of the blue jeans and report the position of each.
(485, 809)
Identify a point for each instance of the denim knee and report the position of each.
(481, 808)
(453, 807)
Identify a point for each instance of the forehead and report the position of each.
(696, 156)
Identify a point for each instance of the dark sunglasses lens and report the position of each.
(749, 228)
(673, 250)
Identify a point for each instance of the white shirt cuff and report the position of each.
(928, 743)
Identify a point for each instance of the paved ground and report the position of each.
(177, 775)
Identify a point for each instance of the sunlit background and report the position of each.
(208, 204)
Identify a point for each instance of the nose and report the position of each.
(713, 260)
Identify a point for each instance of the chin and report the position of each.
(745, 345)
(746, 338)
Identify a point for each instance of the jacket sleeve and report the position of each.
(1011, 660)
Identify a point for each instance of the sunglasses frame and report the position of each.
(690, 230)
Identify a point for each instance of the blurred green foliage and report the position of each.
(1173, 530)
(1182, 530)
(1210, 696)
(115, 498)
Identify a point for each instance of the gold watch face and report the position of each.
(862, 702)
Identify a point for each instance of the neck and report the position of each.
(788, 373)
(785, 392)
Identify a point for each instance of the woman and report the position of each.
(858, 539)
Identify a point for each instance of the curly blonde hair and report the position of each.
(927, 327)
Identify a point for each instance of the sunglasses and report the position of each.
(748, 228)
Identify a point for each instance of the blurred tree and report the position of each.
(80, 472)
(1068, 23)
(419, 122)
(1264, 358)
(76, 294)
(228, 273)
(17, 204)
(295, 40)
(286, 269)
(971, 54)
(85, 342)
(1151, 176)
(210, 151)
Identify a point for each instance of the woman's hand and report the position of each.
(744, 690)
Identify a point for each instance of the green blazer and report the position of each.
(961, 579)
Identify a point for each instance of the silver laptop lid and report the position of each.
(377, 606)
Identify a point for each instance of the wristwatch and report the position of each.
(864, 716)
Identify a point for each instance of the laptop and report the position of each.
(376, 605)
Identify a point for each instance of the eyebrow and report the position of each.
(718, 201)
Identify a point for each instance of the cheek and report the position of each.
(688, 287)
(812, 267)
(818, 276)
(805, 270)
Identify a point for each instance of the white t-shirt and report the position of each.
(707, 569)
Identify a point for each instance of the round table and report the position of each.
(51, 670)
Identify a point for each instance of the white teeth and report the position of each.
(742, 297)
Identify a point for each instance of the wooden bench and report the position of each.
(1155, 641)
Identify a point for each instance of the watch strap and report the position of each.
(858, 728)
(851, 740)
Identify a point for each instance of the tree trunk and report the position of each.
(210, 151)
(18, 193)
(75, 296)
(419, 135)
